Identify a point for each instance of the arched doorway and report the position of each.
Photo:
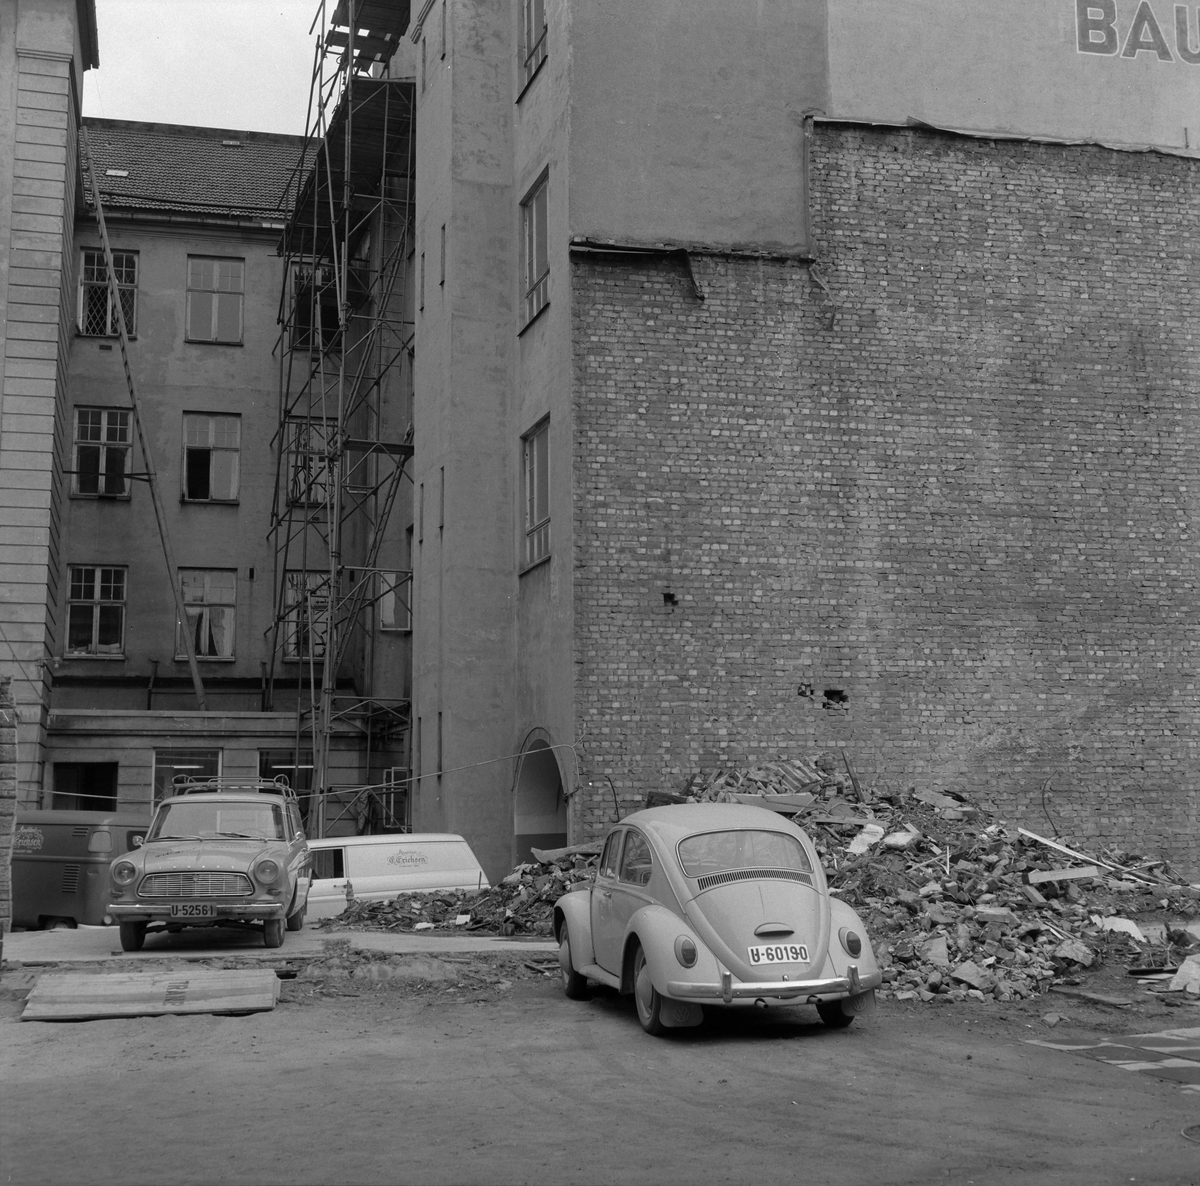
(539, 806)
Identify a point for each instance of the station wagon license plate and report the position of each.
(779, 953)
(193, 910)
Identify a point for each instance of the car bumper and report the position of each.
(242, 911)
(729, 990)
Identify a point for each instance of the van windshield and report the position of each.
(190, 820)
(719, 852)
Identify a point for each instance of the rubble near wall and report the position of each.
(957, 903)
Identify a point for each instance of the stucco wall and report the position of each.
(960, 488)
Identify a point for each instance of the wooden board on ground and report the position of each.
(75, 996)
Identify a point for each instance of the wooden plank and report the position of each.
(74, 996)
(1037, 876)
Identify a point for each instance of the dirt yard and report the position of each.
(476, 1069)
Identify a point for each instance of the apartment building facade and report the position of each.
(795, 377)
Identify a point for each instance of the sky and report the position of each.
(245, 65)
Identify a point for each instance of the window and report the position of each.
(209, 600)
(442, 266)
(211, 446)
(535, 481)
(533, 38)
(316, 317)
(170, 764)
(421, 302)
(535, 263)
(395, 601)
(214, 299)
(636, 865)
(328, 864)
(308, 449)
(295, 766)
(306, 621)
(97, 314)
(439, 743)
(442, 41)
(101, 453)
(96, 611)
(612, 848)
(85, 786)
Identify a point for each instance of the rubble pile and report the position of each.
(522, 904)
(958, 905)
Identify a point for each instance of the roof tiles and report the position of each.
(201, 171)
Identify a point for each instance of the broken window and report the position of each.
(97, 313)
(395, 601)
(96, 610)
(309, 461)
(101, 452)
(211, 452)
(535, 260)
(536, 494)
(306, 615)
(215, 291)
(209, 601)
(316, 317)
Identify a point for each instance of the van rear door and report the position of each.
(327, 893)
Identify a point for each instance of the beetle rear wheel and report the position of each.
(649, 1003)
(273, 932)
(832, 1015)
(133, 935)
(574, 985)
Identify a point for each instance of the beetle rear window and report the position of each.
(189, 820)
(720, 852)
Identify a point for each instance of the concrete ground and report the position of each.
(472, 1067)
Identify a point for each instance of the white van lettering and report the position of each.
(407, 857)
(28, 839)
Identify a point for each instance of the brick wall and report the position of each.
(958, 485)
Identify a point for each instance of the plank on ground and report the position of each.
(73, 996)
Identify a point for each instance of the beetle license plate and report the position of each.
(779, 953)
(193, 910)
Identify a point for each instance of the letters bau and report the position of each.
(1096, 32)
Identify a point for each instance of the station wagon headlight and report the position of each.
(850, 941)
(267, 871)
(685, 951)
(123, 872)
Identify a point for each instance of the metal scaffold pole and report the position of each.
(147, 457)
(345, 367)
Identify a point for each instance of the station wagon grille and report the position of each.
(712, 879)
(195, 885)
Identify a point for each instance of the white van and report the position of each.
(377, 868)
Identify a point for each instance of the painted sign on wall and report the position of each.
(1125, 73)
(1099, 24)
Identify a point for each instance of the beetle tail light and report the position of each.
(850, 941)
(685, 951)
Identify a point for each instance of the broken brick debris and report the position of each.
(943, 888)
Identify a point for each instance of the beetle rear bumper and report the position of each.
(729, 990)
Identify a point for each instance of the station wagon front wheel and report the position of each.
(649, 1003)
(273, 932)
(133, 935)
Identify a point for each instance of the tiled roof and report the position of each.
(203, 171)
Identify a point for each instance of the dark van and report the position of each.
(60, 863)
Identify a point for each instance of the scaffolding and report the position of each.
(344, 435)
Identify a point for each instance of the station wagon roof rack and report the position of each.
(182, 784)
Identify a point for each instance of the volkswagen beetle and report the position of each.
(218, 853)
(714, 904)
